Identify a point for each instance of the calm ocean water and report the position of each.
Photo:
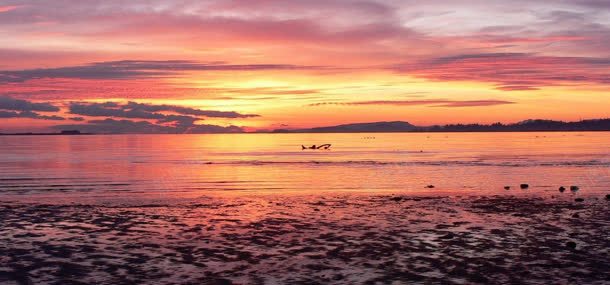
(34, 168)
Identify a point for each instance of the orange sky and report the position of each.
(204, 66)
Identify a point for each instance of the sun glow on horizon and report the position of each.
(292, 65)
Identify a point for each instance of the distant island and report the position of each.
(396, 126)
(400, 126)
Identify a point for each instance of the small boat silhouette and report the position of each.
(322, 146)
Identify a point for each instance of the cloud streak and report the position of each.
(29, 115)
(134, 110)
(7, 8)
(431, 102)
(9, 103)
(513, 71)
(135, 69)
(167, 118)
(114, 126)
(186, 110)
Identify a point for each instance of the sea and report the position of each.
(128, 168)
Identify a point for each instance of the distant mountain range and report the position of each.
(396, 126)
(400, 126)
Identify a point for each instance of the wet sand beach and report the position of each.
(310, 239)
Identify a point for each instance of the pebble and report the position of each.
(524, 186)
(448, 236)
(571, 245)
(506, 187)
(338, 277)
(562, 189)
(579, 200)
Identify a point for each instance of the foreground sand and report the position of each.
(345, 239)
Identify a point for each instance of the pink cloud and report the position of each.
(513, 71)
(7, 8)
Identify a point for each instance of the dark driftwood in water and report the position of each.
(322, 146)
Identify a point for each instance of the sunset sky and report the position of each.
(225, 66)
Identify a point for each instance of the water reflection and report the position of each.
(192, 165)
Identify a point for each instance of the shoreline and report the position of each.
(314, 239)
